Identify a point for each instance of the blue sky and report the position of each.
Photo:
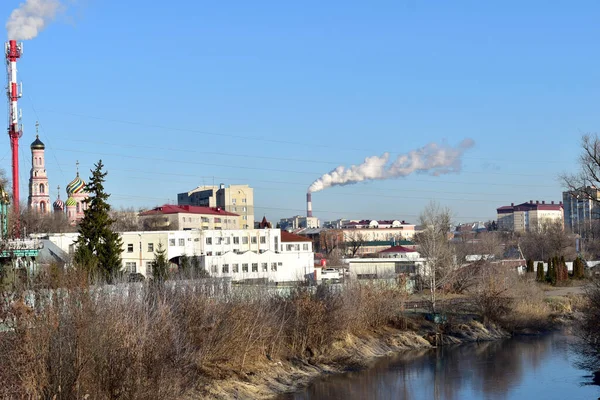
(274, 94)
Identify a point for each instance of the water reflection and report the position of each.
(523, 368)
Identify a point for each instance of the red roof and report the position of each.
(175, 209)
(292, 237)
(398, 249)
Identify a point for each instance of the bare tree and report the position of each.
(125, 220)
(32, 221)
(548, 240)
(156, 222)
(330, 241)
(354, 241)
(435, 247)
(587, 179)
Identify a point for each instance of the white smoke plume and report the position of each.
(432, 159)
(27, 21)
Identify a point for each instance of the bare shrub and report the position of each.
(144, 340)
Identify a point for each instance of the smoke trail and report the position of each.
(27, 21)
(433, 159)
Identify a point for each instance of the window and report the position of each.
(78, 207)
(171, 242)
(234, 209)
(149, 266)
(297, 247)
(244, 267)
(218, 253)
(225, 268)
(289, 247)
(233, 202)
(151, 247)
(244, 209)
(226, 240)
(130, 247)
(208, 240)
(305, 247)
(273, 266)
(236, 240)
(218, 240)
(41, 188)
(182, 242)
(205, 219)
(209, 253)
(263, 239)
(264, 267)
(243, 200)
(244, 217)
(254, 240)
(236, 268)
(217, 220)
(254, 267)
(130, 267)
(245, 240)
(213, 269)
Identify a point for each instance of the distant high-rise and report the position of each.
(581, 209)
(238, 199)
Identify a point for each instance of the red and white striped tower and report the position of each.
(14, 51)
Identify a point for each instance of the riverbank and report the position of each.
(352, 353)
(190, 342)
(356, 352)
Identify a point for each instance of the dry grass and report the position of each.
(528, 310)
(142, 342)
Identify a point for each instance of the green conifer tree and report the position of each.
(160, 268)
(530, 265)
(540, 277)
(98, 247)
(578, 268)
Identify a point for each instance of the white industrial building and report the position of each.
(242, 255)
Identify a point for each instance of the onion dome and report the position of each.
(76, 186)
(59, 204)
(37, 144)
(71, 202)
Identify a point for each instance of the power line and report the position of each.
(256, 138)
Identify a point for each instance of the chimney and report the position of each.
(512, 204)
(552, 202)
(309, 205)
(543, 201)
(537, 202)
(530, 201)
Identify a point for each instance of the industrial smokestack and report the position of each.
(433, 159)
(308, 204)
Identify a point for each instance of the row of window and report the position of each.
(206, 220)
(295, 247)
(224, 240)
(131, 267)
(235, 268)
(150, 247)
(236, 240)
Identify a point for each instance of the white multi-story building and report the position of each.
(298, 222)
(242, 255)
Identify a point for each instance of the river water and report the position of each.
(518, 368)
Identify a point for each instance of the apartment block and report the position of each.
(527, 216)
(238, 199)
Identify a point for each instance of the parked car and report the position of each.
(330, 274)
